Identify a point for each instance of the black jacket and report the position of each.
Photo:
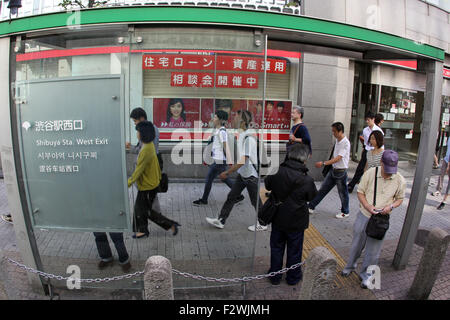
(293, 182)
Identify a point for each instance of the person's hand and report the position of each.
(223, 175)
(319, 164)
(386, 210)
(291, 137)
(371, 209)
(127, 145)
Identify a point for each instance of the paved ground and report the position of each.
(202, 249)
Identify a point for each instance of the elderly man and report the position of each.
(390, 192)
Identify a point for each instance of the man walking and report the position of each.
(220, 153)
(390, 191)
(337, 176)
(247, 174)
(371, 126)
(444, 171)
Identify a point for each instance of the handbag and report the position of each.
(164, 183)
(270, 208)
(327, 168)
(378, 223)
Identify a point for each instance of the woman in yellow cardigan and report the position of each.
(147, 176)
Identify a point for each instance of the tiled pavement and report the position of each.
(202, 249)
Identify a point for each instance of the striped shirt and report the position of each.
(374, 160)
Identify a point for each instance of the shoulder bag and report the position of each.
(327, 168)
(270, 208)
(378, 223)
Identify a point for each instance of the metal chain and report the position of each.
(131, 275)
(244, 279)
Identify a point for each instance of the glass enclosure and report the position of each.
(73, 97)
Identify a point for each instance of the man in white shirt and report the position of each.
(219, 145)
(371, 126)
(337, 176)
(245, 167)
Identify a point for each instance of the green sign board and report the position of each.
(71, 134)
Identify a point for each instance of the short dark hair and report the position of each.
(146, 131)
(378, 118)
(370, 115)
(246, 117)
(138, 113)
(171, 103)
(378, 138)
(339, 126)
(222, 115)
(280, 104)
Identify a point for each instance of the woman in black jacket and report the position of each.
(291, 185)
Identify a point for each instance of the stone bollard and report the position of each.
(158, 284)
(3, 277)
(319, 275)
(433, 255)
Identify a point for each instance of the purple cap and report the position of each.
(390, 161)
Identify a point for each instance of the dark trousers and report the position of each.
(359, 170)
(143, 211)
(213, 171)
(334, 178)
(278, 242)
(240, 184)
(104, 250)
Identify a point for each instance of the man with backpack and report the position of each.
(220, 153)
(247, 174)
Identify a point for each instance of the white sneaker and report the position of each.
(310, 211)
(436, 193)
(342, 215)
(215, 222)
(258, 227)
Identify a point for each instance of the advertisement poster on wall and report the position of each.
(277, 114)
(230, 106)
(175, 112)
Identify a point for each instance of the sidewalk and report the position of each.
(202, 249)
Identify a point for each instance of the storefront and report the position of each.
(67, 122)
(396, 92)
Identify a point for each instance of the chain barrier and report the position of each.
(131, 275)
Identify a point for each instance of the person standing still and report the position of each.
(390, 193)
(337, 176)
(371, 126)
(299, 133)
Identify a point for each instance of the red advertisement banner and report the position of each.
(446, 73)
(209, 62)
(206, 80)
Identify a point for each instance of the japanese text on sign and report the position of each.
(206, 80)
(59, 125)
(198, 62)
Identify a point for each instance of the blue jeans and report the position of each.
(333, 178)
(213, 171)
(278, 242)
(104, 250)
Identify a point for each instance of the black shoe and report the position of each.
(200, 202)
(103, 264)
(239, 199)
(175, 228)
(135, 236)
(441, 206)
(126, 267)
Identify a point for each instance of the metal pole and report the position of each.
(430, 118)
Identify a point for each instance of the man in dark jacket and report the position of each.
(291, 185)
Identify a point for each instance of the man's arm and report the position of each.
(362, 199)
(328, 162)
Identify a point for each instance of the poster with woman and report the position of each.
(175, 112)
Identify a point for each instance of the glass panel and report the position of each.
(402, 110)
